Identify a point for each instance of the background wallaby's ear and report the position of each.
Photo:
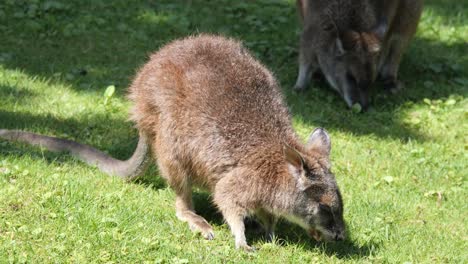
(351, 40)
(293, 157)
(381, 29)
(320, 141)
(371, 43)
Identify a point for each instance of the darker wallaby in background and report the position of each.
(215, 118)
(353, 42)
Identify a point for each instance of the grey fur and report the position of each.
(128, 169)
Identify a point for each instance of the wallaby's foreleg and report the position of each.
(268, 221)
(307, 61)
(233, 207)
(178, 179)
(234, 217)
(303, 76)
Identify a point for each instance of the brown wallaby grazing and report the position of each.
(353, 42)
(214, 117)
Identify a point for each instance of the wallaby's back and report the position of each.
(214, 104)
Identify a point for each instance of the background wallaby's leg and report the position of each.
(177, 178)
(307, 63)
(269, 222)
(391, 63)
(402, 30)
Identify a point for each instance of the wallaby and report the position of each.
(215, 118)
(353, 42)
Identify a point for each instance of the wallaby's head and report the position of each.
(316, 203)
(349, 62)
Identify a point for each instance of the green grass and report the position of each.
(402, 167)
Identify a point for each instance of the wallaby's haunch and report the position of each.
(214, 117)
(353, 42)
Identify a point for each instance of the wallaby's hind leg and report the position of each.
(178, 179)
(402, 31)
(186, 213)
(389, 67)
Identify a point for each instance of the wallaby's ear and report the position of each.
(293, 158)
(296, 167)
(319, 141)
(381, 29)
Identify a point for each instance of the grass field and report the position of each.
(402, 166)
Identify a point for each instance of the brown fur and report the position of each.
(214, 117)
(354, 41)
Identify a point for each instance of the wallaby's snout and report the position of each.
(356, 92)
(351, 76)
(334, 236)
(350, 66)
(339, 236)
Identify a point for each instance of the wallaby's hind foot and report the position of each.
(177, 178)
(185, 213)
(389, 68)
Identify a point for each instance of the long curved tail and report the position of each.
(125, 169)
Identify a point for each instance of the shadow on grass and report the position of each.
(429, 70)
(93, 45)
(13, 91)
(85, 130)
(287, 233)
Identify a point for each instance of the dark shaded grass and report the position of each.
(110, 52)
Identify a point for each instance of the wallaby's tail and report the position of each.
(128, 169)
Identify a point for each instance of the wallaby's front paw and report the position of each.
(245, 247)
(298, 88)
(269, 236)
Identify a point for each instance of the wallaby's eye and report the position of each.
(327, 218)
(325, 208)
(328, 27)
